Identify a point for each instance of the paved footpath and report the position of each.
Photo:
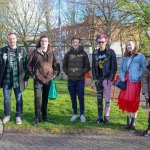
(113, 140)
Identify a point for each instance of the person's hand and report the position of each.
(123, 79)
(54, 74)
(25, 84)
(146, 95)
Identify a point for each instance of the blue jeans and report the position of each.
(7, 104)
(77, 88)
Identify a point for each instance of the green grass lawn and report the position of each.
(60, 112)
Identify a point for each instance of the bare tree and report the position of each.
(49, 16)
(23, 18)
(3, 27)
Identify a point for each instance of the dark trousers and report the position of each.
(77, 88)
(149, 120)
(40, 90)
(99, 89)
(103, 88)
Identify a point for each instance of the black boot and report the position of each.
(128, 123)
(36, 121)
(132, 125)
(146, 132)
(98, 120)
(45, 119)
(106, 121)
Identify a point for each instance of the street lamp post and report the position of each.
(59, 41)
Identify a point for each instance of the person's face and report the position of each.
(12, 40)
(102, 43)
(130, 46)
(75, 44)
(44, 43)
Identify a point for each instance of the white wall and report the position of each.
(116, 47)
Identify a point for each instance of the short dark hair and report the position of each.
(75, 38)
(38, 45)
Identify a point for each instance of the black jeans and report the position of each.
(40, 89)
(99, 89)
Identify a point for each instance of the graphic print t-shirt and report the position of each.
(101, 59)
(12, 57)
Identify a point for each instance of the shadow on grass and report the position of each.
(62, 122)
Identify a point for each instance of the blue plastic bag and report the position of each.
(52, 95)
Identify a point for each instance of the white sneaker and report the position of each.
(82, 118)
(74, 117)
(6, 119)
(18, 120)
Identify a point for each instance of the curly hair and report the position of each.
(38, 45)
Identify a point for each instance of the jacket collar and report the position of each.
(76, 51)
(41, 52)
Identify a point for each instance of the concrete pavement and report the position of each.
(113, 140)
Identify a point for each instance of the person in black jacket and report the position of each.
(104, 67)
(76, 65)
(13, 75)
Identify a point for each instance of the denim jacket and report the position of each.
(136, 67)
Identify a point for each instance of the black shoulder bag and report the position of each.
(120, 84)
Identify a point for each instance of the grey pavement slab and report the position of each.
(121, 140)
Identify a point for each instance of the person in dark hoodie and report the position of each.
(43, 66)
(76, 65)
(146, 93)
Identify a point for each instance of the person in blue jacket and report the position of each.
(131, 70)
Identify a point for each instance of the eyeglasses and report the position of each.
(101, 42)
